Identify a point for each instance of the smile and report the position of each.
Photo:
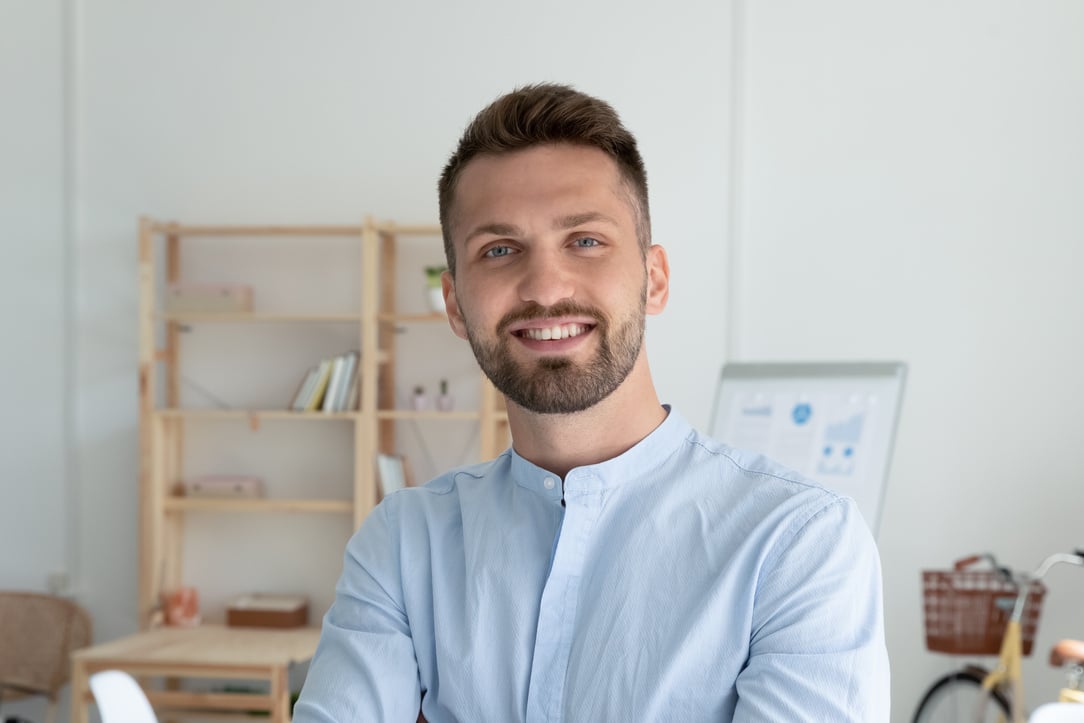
(561, 331)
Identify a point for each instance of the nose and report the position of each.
(547, 278)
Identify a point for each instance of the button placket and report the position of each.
(560, 597)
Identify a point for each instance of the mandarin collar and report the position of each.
(644, 456)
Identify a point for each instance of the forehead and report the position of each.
(536, 179)
(554, 156)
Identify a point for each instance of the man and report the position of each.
(614, 565)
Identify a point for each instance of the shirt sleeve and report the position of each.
(817, 650)
(365, 668)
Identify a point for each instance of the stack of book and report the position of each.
(330, 386)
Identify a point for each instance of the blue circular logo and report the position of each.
(802, 412)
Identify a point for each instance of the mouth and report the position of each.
(554, 332)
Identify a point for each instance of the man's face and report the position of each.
(550, 285)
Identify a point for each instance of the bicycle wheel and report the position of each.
(955, 698)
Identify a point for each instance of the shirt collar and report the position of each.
(644, 456)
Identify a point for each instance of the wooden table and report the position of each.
(206, 651)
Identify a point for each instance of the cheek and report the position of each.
(477, 308)
(486, 290)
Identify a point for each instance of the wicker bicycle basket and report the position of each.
(967, 611)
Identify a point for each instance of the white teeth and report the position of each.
(555, 332)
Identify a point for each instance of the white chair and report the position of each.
(1058, 713)
(120, 699)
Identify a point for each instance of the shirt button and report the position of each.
(549, 483)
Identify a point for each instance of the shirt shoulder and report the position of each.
(447, 482)
(752, 467)
(762, 487)
(445, 493)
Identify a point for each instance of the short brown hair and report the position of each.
(543, 114)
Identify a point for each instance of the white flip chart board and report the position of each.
(832, 422)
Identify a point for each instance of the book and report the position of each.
(338, 365)
(320, 387)
(342, 398)
(391, 474)
(304, 389)
(353, 400)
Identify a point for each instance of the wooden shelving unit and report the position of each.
(164, 421)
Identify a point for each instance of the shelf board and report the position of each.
(211, 504)
(174, 413)
(405, 318)
(256, 318)
(176, 229)
(426, 414)
(320, 416)
(421, 229)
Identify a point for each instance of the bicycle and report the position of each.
(988, 612)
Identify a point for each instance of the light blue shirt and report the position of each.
(681, 581)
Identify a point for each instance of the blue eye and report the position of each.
(587, 242)
(497, 252)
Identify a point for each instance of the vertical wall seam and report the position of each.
(735, 216)
(72, 498)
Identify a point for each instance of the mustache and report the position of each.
(534, 310)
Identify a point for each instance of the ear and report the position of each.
(451, 305)
(658, 279)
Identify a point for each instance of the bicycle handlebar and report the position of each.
(1069, 558)
(1025, 580)
(1076, 557)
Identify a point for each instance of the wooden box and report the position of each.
(224, 486)
(208, 299)
(268, 611)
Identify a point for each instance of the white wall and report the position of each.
(32, 279)
(909, 187)
(912, 189)
(35, 527)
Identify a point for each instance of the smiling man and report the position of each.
(614, 564)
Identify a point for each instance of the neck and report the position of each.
(560, 442)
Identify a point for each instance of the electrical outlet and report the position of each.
(57, 583)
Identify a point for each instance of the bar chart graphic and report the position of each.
(841, 445)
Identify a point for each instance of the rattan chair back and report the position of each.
(38, 633)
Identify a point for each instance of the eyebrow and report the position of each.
(495, 229)
(566, 222)
(578, 219)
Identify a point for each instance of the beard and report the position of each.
(556, 384)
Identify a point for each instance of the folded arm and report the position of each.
(365, 667)
(817, 650)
